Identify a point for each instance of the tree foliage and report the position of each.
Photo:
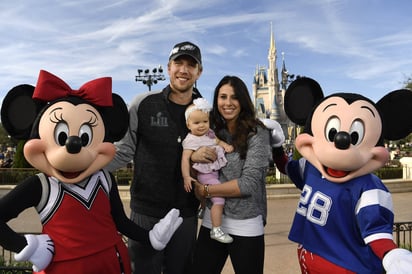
(408, 82)
(19, 160)
(5, 139)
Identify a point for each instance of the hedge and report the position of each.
(124, 176)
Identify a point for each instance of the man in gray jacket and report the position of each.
(153, 141)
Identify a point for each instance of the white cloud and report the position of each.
(84, 39)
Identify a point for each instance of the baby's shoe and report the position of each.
(216, 233)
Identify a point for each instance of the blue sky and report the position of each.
(362, 46)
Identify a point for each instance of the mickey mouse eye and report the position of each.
(332, 128)
(86, 134)
(357, 132)
(61, 133)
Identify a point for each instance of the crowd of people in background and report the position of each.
(6, 157)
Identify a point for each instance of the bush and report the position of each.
(123, 176)
(15, 267)
(11, 176)
(389, 172)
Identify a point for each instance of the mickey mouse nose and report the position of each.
(342, 140)
(73, 144)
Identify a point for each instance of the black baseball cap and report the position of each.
(186, 48)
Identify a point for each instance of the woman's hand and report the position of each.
(199, 190)
(204, 155)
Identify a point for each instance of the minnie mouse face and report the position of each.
(67, 132)
(344, 132)
(71, 145)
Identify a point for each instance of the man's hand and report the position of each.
(204, 155)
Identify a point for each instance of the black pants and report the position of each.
(246, 253)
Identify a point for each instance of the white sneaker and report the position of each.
(216, 233)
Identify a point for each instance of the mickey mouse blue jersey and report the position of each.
(337, 221)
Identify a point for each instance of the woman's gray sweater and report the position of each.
(251, 175)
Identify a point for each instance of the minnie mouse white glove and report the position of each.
(162, 231)
(277, 137)
(39, 251)
(398, 261)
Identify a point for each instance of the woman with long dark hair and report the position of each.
(243, 183)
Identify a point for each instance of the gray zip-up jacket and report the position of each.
(153, 142)
(251, 175)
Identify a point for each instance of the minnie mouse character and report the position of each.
(344, 219)
(70, 140)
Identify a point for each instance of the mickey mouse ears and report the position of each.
(301, 95)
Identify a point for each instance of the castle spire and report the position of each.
(273, 84)
(272, 40)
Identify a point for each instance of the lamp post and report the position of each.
(150, 78)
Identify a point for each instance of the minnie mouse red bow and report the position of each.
(49, 87)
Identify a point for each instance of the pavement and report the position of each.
(280, 255)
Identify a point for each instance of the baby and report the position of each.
(197, 121)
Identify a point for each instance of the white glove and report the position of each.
(162, 231)
(277, 137)
(398, 261)
(39, 251)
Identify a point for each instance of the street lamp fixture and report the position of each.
(150, 78)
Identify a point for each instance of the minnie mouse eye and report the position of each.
(86, 134)
(332, 128)
(61, 133)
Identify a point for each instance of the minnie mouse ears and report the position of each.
(20, 108)
(19, 111)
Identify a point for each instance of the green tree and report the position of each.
(408, 82)
(5, 139)
(19, 160)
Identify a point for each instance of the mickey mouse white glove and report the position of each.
(39, 251)
(162, 231)
(277, 137)
(398, 261)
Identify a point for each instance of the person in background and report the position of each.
(243, 184)
(197, 119)
(154, 143)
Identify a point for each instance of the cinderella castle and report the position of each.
(268, 91)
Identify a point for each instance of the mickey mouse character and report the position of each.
(70, 140)
(344, 219)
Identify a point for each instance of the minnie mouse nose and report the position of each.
(73, 144)
(342, 140)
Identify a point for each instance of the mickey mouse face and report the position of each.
(344, 132)
(343, 140)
